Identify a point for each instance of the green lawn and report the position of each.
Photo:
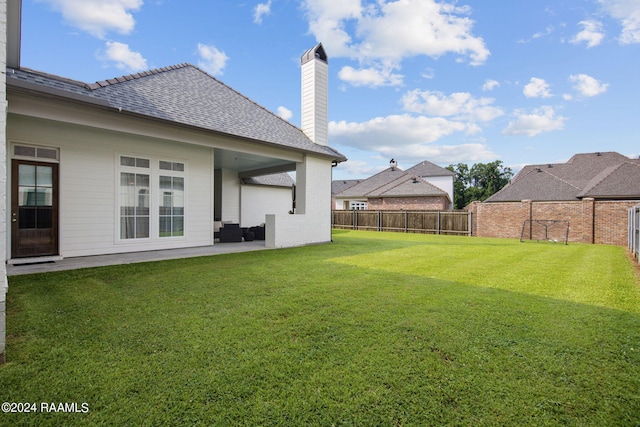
(375, 329)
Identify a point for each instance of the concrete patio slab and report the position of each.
(134, 257)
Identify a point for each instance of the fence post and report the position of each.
(439, 222)
(379, 220)
(406, 221)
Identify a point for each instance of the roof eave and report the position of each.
(29, 88)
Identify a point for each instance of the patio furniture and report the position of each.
(230, 233)
(258, 232)
(248, 235)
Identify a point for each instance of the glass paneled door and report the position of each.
(34, 209)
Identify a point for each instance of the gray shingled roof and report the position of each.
(337, 186)
(619, 182)
(426, 168)
(181, 94)
(391, 182)
(600, 175)
(273, 180)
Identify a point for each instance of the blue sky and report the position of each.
(451, 82)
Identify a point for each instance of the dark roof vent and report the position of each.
(598, 154)
(538, 170)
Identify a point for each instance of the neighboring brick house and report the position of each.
(425, 186)
(592, 191)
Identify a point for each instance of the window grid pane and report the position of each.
(134, 205)
(171, 210)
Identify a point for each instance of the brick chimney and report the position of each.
(315, 95)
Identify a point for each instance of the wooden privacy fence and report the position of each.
(426, 222)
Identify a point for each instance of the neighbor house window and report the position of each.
(134, 198)
(357, 205)
(171, 206)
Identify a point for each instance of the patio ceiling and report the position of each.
(248, 165)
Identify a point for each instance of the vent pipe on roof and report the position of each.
(315, 95)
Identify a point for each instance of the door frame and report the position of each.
(54, 248)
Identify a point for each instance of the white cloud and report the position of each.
(328, 20)
(392, 131)
(587, 85)
(400, 29)
(461, 106)
(97, 17)
(261, 10)
(592, 33)
(490, 85)
(541, 120)
(428, 74)
(285, 113)
(443, 154)
(124, 57)
(383, 34)
(358, 168)
(537, 88)
(540, 34)
(628, 13)
(212, 60)
(369, 77)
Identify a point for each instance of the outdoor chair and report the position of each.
(230, 233)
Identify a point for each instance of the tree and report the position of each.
(478, 182)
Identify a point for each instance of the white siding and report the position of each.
(315, 104)
(89, 179)
(444, 183)
(312, 221)
(3, 174)
(230, 196)
(260, 200)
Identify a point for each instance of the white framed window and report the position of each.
(151, 198)
(134, 197)
(35, 152)
(171, 195)
(356, 205)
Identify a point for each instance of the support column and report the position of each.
(588, 220)
(527, 215)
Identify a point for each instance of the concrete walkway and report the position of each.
(129, 258)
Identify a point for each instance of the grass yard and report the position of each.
(375, 329)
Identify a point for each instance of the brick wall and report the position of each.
(590, 221)
(611, 224)
(408, 203)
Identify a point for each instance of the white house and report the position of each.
(150, 160)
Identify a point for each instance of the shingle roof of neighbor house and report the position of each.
(340, 185)
(392, 182)
(426, 168)
(181, 94)
(600, 175)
